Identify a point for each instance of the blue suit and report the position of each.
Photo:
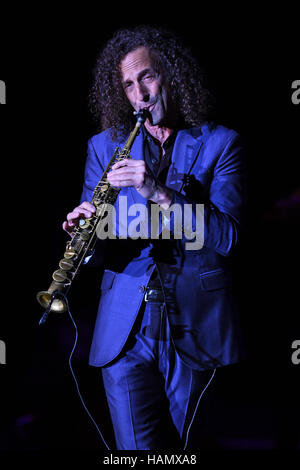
(205, 327)
(154, 382)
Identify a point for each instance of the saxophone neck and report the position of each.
(132, 137)
(141, 117)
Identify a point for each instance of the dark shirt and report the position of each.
(158, 163)
(157, 160)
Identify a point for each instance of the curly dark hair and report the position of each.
(107, 100)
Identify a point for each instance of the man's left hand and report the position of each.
(134, 173)
(129, 172)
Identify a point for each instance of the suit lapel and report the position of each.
(186, 156)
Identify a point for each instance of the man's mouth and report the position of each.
(150, 107)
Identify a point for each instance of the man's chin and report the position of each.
(155, 120)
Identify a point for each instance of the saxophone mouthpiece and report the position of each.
(142, 115)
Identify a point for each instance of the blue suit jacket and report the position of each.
(205, 327)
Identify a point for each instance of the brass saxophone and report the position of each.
(84, 236)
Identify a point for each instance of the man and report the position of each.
(166, 318)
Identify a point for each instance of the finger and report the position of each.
(126, 180)
(66, 227)
(74, 216)
(120, 172)
(120, 163)
(71, 223)
(127, 170)
(87, 205)
(123, 183)
(128, 162)
(133, 179)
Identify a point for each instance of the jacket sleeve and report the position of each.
(92, 174)
(224, 207)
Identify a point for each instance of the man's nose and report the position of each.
(142, 93)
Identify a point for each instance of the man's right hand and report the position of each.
(84, 211)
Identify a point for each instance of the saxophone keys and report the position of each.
(60, 276)
(66, 264)
(86, 223)
(85, 235)
(69, 254)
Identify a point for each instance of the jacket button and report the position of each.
(141, 288)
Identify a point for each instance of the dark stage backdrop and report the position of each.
(47, 58)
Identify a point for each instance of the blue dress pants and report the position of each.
(153, 396)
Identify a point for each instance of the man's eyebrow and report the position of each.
(145, 71)
(141, 74)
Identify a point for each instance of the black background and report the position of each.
(47, 57)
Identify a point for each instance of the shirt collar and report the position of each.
(149, 138)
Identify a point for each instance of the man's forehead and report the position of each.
(136, 60)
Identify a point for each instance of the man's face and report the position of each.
(144, 85)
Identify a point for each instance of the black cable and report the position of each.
(43, 319)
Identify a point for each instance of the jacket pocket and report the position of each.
(216, 279)
(108, 279)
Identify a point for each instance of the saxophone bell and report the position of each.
(46, 300)
(53, 299)
(55, 302)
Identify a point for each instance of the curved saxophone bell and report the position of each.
(45, 298)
